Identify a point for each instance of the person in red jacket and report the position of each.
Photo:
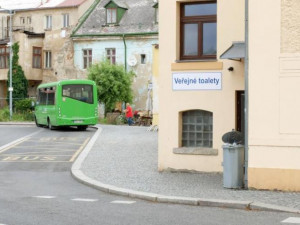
(129, 114)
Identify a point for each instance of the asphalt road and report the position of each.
(36, 188)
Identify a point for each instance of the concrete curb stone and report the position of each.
(246, 205)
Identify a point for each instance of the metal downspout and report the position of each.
(246, 91)
(125, 53)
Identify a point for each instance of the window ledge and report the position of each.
(197, 65)
(195, 151)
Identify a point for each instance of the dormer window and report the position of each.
(111, 15)
(115, 10)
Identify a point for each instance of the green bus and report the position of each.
(67, 103)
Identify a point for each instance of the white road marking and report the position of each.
(84, 199)
(292, 220)
(18, 141)
(123, 202)
(45, 196)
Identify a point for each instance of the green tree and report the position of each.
(114, 84)
(19, 81)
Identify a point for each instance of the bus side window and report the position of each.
(42, 96)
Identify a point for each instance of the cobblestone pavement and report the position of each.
(126, 157)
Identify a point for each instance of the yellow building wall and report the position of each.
(230, 27)
(274, 80)
(155, 75)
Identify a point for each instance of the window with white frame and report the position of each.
(28, 20)
(111, 55)
(197, 129)
(22, 20)
(48, 22)
(66, 20)
(87, 58)
(143, 59)
(111, 15)
(48, 59)
(37, 57)
(4, 57)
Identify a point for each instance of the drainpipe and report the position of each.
(125, 53)
(246, 90)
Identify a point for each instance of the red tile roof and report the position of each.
(71, 3)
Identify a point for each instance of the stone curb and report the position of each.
(246, 205)
(17, 123)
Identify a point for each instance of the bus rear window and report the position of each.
(80, 92)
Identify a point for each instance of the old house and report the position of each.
(123, 32)
(42, 28)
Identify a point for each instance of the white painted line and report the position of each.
(123, 202)
(84, 199)
(292, 220)
(7, 146)
(44, 196)
(2, 224)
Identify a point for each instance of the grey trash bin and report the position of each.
(233, 165)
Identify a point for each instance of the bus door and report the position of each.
(45, 106)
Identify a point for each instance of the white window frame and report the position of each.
(28, 19)
(22, 20)
(111, 15)
(48, 22)
(111, 55)
(66, 20)
(47, 59)
(87, 56)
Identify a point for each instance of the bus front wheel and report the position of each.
(36, 122)
(50, 125)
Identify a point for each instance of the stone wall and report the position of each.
(290, 26)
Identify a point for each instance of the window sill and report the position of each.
(195, 151)
(197, 65)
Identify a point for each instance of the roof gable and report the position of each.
(116, 3)
(138, 18)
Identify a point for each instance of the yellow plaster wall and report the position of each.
(155, 75)
(274, 79)
(230, 27)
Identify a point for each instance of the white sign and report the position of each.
(197, 81)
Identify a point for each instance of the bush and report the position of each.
(113, 82)
(23, 105)
(4, 114)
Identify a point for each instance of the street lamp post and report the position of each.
(10, 89)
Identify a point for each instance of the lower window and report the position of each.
(197, 129)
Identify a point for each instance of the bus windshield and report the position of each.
(80, 92)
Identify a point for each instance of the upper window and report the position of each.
(37, 57)
(87, 58)
(143, 59)
(22, 20)
(111, 55)
(197, 128)
(48, 22)
(198, 25)
(111, 15)
(28, 20)
(66, 19)
(4, 57)
(48, 59)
